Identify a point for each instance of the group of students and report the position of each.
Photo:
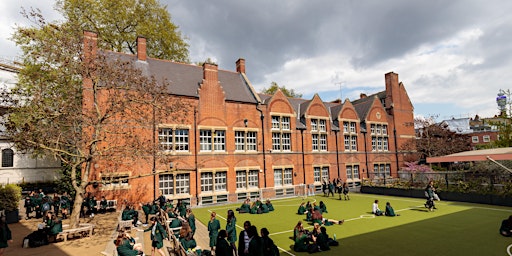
(389, 211)
(37, 202)
(315, 241)
(256, 207)
(328, 187)
(179, 218)
(223, 242)
(314, 213)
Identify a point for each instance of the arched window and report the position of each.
(7, 157)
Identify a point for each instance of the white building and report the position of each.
(16, 167)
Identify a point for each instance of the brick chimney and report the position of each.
(363, 95)
(141, 48)
(90, 45)
(240, 65)
(210, 72)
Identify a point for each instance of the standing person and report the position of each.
(255, 243)
(56, 204)
(5, 235)
(345, 191)
(231, 230)
(390, 211)
(429, 192)
(331, 189)
(269, 248)
(223, 248)
(28, 207)
(213, 230)
(244, 239)
(191, 219)
(375, 208)
(64, 205)
(324, 187)
(158, 235)
(161, 200)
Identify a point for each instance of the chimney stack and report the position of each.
(90, 44)
(210, 72)
(240, 65)
(141, 48)
(362, 95)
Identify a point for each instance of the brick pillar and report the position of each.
(240, 65)
(141, 48)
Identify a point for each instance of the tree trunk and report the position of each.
(77, 207)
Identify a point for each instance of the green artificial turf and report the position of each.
(453, 229)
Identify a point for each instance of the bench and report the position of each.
(83, 230)
(111, 205)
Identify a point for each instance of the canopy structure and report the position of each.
(474, 155)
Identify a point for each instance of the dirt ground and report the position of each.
(104, 226)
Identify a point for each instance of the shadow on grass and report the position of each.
(466, 232)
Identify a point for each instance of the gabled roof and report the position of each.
(363, 105)
(184, 79)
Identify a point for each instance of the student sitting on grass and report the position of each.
(506, 227)
(323, 207)
(246, 206)
(390, 211)
(297, 230)
(264, 208)
(302, 209)
(375, 208)
(269, 205)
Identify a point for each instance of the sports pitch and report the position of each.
(453, 229)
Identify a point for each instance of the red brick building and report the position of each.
(237, 143)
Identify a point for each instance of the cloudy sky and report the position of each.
(452, 56)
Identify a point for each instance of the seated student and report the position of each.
(103, 205)
(297, 230)
(323, 241)
(375, 208)
(246, 207)
(53, 225)
(309, 213)
(322, 207)
(390, 211)
(301, 242)
(317, 218)
(302, 209)
(269, 205)
(124, 246)
(186, 237)
(264, 208)
(506, 227)
(130, 214)
(308, 205)
(175, 223)
(254, 208)
(136, 246)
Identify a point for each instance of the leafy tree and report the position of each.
(124, 21)
(73, 102)
(288, 92)
(436, 140)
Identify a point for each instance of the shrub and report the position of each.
(11, 196)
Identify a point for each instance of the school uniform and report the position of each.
(213, 231)
(158, 235)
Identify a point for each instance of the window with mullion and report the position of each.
(316, 174)
(219, 141)
(205, 140)
(314, 142)
(220, 181)
(239, 141)
(323, 142)
(241, 180)
(287, 176)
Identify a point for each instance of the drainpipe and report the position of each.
(262, 117)
(195, 156)
(366, 155)
(303, 158)
(337, 153)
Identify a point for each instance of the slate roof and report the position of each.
(185, 79)
(363, 105)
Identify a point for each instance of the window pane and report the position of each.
(182, 183)
(316, 174)
(286, 146)
(220, 181)
(7, 157)
(253, 179)
(287, 176)
(206, 182)
(220, 141)
(278, 177)
(166, 184)
(181, 139)
(251, 141)
(239, 141)
(205, 138)
(165, 138)
(241, 182)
